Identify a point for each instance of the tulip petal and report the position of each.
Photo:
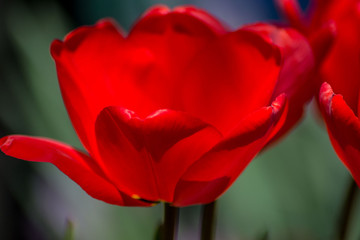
(184, 19)
(322, 41)
(76, 165)
(173, 39)
(237, 66)
(292, 12)
(341, 66)
(97, 67)
(343, 128)
(146, 157)
(226, 160)
(85, 67)
(295, 78)
(205, 17)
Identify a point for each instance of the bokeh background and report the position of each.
(294, 190)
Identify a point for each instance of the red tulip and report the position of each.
(339, 67)
(343, 127)
(341, 61)
(173, 112)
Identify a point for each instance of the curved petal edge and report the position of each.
(218, 168)
(75, 164)
(343, 127)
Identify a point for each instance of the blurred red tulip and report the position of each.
(176, 110)
(338, 66)
(341, 68)
(343, 127)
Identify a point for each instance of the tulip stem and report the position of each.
(208, 221)
(171, 220)
(344, 219)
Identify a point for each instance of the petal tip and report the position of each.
(157, 10)
(105, 22)
(56, 48)
(278, 104)
(110, 24)
(326, 95)
(203, 16)
(75, 38)
(5, 143)
(184, 19)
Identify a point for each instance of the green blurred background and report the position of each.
(294, 190)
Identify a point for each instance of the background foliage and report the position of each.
(293, 190)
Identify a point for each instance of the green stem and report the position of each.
(171, 220)
(344, 219)
(208, 221)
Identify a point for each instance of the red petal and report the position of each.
(225, 161)
(183, 19)
(325, 10)
(228, 73)
(203, 16)
(146, 157)
(343, 128)
(75, 164)
(293, 13)
(98, 68)
(173, 39)
(322, 41)
(86, 72)
(341, 66)
(295, 79)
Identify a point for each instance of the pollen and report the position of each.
(135, 196)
